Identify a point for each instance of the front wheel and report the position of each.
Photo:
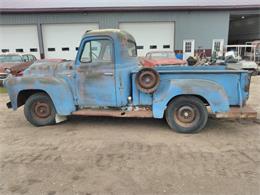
(186, 114)
(39, 110)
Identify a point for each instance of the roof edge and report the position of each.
(131, 8)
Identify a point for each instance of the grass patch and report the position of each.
(3, 90)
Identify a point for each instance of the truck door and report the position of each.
(96, 73)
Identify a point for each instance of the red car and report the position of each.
(14, 64)
(156, 58)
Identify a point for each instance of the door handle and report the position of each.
(108, 74)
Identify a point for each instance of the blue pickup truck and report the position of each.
(106, 80)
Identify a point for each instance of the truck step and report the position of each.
(245, 112)
(141, 113)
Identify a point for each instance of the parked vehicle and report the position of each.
(14, 64)
(106, 80)
(256, 44)
(161, 58)
(242, 57)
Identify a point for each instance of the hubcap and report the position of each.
(42, 109)
(147, 80)
(186, 116)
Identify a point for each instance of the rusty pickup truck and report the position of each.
(106, 80)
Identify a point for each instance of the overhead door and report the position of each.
(62, 40)
(19, 38)
(151, 36)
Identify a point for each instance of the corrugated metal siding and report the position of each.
(120, 3)
(201, 26)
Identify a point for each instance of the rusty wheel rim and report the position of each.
(42, 109)
(186, 116)
(147, 80)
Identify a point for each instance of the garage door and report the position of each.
(151, 36)
(62, 40)
(19, 38)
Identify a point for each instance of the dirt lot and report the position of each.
(128, 156)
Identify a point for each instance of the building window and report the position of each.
(33, 49)
(153, 46)
(217, 46)
(51, 49)
(140, 47)
(166, 46)
(65, 49)
(19, 50)
(5, 50)
(188, 47)
(77, 48)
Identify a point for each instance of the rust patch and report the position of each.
(141, 113)
(245, 112)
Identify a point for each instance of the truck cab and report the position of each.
(104, 63)
(106, 79)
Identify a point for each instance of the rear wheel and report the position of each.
(39, 110)
(186, 114)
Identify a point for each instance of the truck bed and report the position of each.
(231, 80)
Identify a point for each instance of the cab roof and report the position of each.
(113, 33)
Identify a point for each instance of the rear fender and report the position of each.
(213, 93)
(58, 90)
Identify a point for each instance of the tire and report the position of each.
(147, 80)
(39, 110)
(186, 114)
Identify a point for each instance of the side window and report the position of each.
(97, 51)
(25, 58)
(131, 46)
(31, 58)
(86, 54)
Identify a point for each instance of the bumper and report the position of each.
(245, 112)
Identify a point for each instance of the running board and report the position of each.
(141, 113)
(245, 112)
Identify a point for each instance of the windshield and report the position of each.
(10, 58)
(162, 55)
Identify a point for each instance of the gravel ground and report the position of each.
(101, 155)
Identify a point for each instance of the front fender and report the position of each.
(58, 90)
(209, 90)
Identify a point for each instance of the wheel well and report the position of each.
(186, 95)
(25, 94)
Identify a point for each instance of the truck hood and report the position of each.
(49, 67)
(155, 62)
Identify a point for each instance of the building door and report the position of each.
(188, 48)
(151, 36)
(96, 78)
(62, 40)
(218, 46)
(19, 39)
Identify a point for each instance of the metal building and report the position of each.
(53, 29)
